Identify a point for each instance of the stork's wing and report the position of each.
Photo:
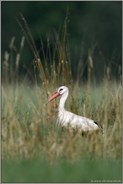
(76, 121)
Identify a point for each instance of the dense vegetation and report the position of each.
(34, 149)
(94, 26)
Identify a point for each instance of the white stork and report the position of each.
(66, 118)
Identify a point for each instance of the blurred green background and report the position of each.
(84, 170)
(91, 25)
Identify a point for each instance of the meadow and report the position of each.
(34, 149)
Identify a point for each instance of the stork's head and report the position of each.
(63, 90)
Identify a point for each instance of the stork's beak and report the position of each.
(55, 95)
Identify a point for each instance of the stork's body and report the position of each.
(66, 118)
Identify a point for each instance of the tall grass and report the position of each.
(29, 125)
(29, 128)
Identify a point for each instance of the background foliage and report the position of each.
(91, 25)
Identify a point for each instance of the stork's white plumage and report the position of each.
(66, 118)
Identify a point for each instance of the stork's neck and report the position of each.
(62, 101)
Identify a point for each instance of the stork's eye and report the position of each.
(61, 89)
